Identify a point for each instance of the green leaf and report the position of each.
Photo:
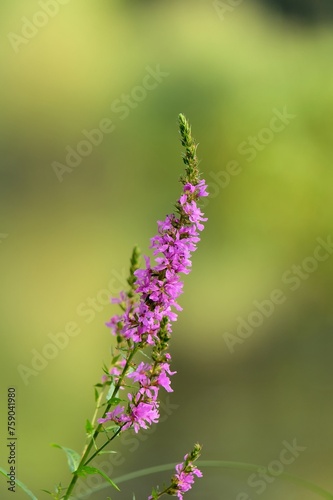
(73, 457)
(20, 485)
(92, 470)
(110, 392)
(115, 401)
(115, 359)
(155, 493)
(105, 369)
(89, 428)
(96, 394)
(114, 428)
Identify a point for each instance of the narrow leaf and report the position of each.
(113, 428)
(115, 401)
(105, 369)
(89, 427)
(115, 359)
(110, 391)
(73, 457)
(92, 470)
(20, 485)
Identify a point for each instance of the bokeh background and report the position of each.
(66, 237)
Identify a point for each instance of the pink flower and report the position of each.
(141, 373)
(114, 415)
(141, 414)
(158, 287)
(183, 479)
(164, 381)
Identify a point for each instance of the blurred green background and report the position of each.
(66, 235)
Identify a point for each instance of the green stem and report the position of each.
(164, 492)
(103, 446)
(84, 460)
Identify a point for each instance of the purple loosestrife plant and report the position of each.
(128, 394)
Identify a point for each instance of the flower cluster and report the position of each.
(150, 307)
(183, 480)
(184, 477)
(147, 321)
(160, 286)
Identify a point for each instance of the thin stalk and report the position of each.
(103, 446)
(87, 449)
